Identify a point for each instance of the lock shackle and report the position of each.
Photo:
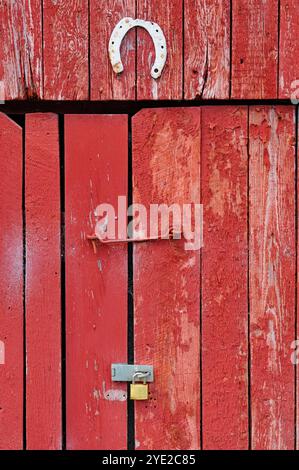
(141, 376)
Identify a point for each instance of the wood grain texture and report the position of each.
(224, 278)
(272, 275)
(96, 283)
(168, 14)
(65, 49)
(43, 296)
(206, 49)
(21, 48)
(105, 84)
(11, 285)
(289, 49)
(166, 169)
(254, 49)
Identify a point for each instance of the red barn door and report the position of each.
(217, 323)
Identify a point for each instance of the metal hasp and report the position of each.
(157, 35)
(128, 372)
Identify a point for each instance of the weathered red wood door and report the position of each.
(216, 323)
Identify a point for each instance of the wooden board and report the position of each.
(69, 42)
(96, 283)
(105, 84)
(43, 296)
(254, 49)
(11, 286)
(21, 48)
(272, 275)
(297, 315)
(206, 49)
(224, 278)
(288, 49)
(166, 169)
(168, 14)
(65, 51)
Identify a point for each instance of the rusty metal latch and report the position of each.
(171, 234)
(157, 35)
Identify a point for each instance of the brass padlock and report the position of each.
(139, 391)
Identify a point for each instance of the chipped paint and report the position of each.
(114, 394)
(255, 49)
(166, 168)
(100, 266)
(2, 353)
(207, 49)
(272, 275)
(224, 278)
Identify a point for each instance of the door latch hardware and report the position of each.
(131, 373)
(156, 33)
(170, 235)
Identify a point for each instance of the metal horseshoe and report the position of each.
(119, 32)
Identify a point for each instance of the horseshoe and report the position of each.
(156, 33)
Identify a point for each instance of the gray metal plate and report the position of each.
(125, 372)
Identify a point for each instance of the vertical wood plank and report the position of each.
(11, 286)
(21, 49)
(65, 50)
(96, 283)
(105, 84)
(224, 278)
(254, 49)
(289, 49)
(207, 49)
(272, 275)
(43, 296)
(168, 14)
(166, 169)
(297, 305)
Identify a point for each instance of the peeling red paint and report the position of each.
(166, 168)
(272, 276)
(224, 278)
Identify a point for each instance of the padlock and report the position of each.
(139, 391)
